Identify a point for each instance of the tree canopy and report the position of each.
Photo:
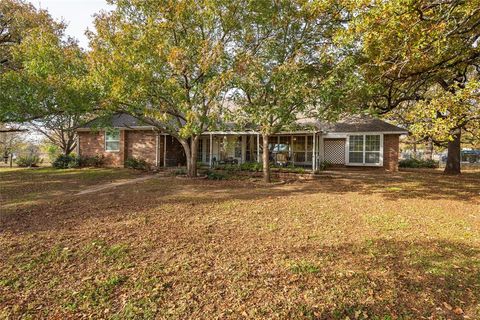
(286, 64)
(44, 73)
(166, 63)
(413, 54)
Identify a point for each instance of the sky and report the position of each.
(78, 14)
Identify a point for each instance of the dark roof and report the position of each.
(349, 124)
(118, 120)
(359, 124)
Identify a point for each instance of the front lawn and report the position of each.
(351, 244)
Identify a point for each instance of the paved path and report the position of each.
(116, 184)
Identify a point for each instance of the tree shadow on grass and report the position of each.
(389, 279)
(59, 211)
(432, 185)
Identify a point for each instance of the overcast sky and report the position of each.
(78, 14)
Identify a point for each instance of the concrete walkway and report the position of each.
(116, 184)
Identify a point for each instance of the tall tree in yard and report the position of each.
(60, 130)
(43, 74)
(17, 19)
(422, 59)
(165, 62)
(286, 62)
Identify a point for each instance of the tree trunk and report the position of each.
(453, 157)
(190, 147)
(193, 158)
(266, 159)
(429, 150)
(188, 155)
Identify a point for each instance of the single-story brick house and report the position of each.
(356, 142)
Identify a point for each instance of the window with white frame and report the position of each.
(365, 149)
(112, 140)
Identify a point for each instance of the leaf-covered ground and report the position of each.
(351, 244)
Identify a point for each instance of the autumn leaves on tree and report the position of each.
(181, 65)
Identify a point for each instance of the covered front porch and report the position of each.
(301, 149)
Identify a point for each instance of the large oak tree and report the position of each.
(166, 63)
(288, 66)
(414, 54)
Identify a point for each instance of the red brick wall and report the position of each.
(391, 151)
(141, 145)
(93, 143)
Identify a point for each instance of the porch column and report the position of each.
(314, 153)
(165, 151)
(258, 147)
(157, 141)
(211, 151)
(291, 150)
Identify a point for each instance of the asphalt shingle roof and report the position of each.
(349, 124)
(118, 120)
(359, 124)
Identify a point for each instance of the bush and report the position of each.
(72, 161)
(418, 163)
(251, 166)
(324, 165)
(28, 161)
(138, 164)
(65, 162)
(212, 175)
(95, 161)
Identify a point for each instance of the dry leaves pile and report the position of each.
(352, 246)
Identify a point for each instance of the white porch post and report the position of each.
(291, 150)
(211, 151)
(258, 147)
(156, 149)
(314, 153)
(164, 150)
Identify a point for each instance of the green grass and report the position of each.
(304, 267)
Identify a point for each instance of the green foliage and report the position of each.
(418, 163)
(99, 292)
(418, 61)
(53, 152)
(65, 162)
(28, 161)
(212, 175)
(445, 110)
(17, 19)
(94, 161)
(304, 267)
(324, 165)
(135, 163)
(251, 166)
(72, 161)
(47, 71)
(167, 63)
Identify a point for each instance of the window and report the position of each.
(372, 149)
(365, 149)
(355, 149)
(112, 140)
